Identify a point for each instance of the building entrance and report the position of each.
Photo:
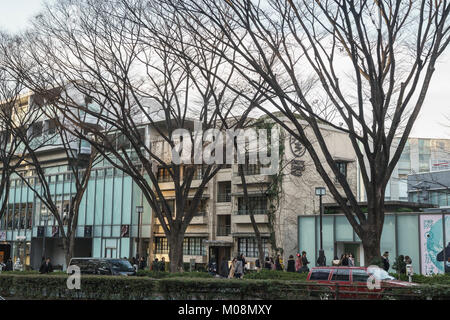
(355, 248)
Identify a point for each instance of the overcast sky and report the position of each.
(432, 122)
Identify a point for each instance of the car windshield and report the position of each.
(121, 265)
(379, 274)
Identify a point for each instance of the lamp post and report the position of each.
(45, 218)
(139, 210)
(321, 261)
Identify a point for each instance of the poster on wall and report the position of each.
(432, 244)
(2, 235)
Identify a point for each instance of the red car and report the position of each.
(352, 282)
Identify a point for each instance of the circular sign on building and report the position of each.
(297, 148)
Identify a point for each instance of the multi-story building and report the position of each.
(419, 155)
(108, 219)
(110, 225)
(222, 227)
(430, 188)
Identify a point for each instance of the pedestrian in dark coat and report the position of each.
(267, 264)
(224, 271)
(291, 264)
(305, 262)
(385, 259)
(46, 267)
(278, 266)
(9, 265)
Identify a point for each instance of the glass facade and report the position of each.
(401, 236)
(108, 206)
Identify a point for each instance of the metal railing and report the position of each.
(224, 197)
(165, 179)
(223, 231)
(245, 212)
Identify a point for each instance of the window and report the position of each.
(342, 167)
(249, 247)
(320, 274)
(170, 204)
(36, 129)
(160, 245)
(359, 275)
(194, 247)
(201, 207)
(164, 175)
(51, 127)
(257, 204)
(196, 171)
(224, 191)
(341, 275)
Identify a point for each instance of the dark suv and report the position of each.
(104, 266)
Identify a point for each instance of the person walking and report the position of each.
(291, 264)
(305, 262)
(155, 265)
(232, 269)
(267, 264)
(244, 263)
(224, 268)
(239, 272)
(272, 264)
(278, 266)
(385, 260)
(46, 267)
(336, 262)
(298, 263)
(9, 265)
(351, 260)
(162, 264)
(408, 260)
(344, 260)
(142, 263)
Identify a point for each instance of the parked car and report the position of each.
(104, 266)
(352, 282)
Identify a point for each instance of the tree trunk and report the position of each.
(175, 242)
(371, 244)
(69, 246)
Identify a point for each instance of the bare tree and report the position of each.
(120, 57)
(387, 51)
(9, 146)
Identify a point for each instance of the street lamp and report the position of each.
(45, 217)
(321, 261)
(139, 210)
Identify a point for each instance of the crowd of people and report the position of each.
(237, 268)
(346, 260)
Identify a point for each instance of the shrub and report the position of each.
(419, 278)
(165, 274)
(278, 275)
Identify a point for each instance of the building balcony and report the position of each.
(245, 212)
(224, 197)
(200, 218)
(253, 179)
(245, 218)
(223, 231)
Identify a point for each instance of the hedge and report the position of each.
(165, 274)
(54, 286)
(422, 279)
(145, 288)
